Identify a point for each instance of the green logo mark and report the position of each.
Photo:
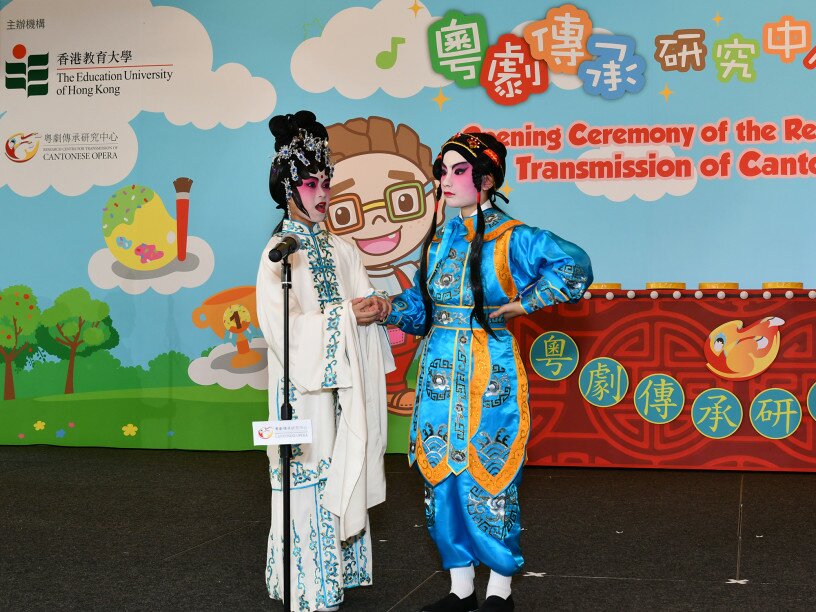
(30, 75)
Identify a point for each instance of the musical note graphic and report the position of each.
(386, 59)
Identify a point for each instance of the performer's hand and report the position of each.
(383, 307)
(510, 310)
(365, 311)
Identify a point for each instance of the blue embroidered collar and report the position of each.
(493, 219)
(296, 227)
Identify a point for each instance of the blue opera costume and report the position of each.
(471, 420)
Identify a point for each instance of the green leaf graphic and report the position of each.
(38, 60)
(15, 68)
(38, 90)
(38, 75)
(15, 83)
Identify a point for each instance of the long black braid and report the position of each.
(423, 270)
(475, 263)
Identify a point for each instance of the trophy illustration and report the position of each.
(231, 315)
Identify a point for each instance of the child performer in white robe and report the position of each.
(337, 371)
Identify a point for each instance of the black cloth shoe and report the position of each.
(453, 603)
(494, 603)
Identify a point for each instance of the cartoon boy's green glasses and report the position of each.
(402, 202)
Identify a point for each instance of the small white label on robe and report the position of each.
(275, 433)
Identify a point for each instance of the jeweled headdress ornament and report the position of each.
(295, 150)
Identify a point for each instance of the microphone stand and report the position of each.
(286, 449)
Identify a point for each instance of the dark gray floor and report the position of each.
(108, 529)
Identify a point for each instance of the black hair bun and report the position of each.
(495, 144)
(285, 127)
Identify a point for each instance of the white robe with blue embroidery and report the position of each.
(340, 474)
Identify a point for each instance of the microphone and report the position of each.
(288, 245)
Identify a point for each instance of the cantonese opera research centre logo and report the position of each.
(29, 74)
(21, 147)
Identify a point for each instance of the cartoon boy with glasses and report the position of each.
(402, 202)
(383, 202)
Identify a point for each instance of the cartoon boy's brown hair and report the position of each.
(378, 135)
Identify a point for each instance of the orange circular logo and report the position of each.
(21, 147)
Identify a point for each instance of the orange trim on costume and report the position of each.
(478, 384)
(501, 264)
(434, 475)
(492, 234)
(480, 358)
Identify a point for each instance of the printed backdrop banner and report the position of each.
(675, 142)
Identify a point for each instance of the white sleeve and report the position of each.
(317, 342)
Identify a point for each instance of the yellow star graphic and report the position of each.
(506, 190)
(666, 92)
(416, 7)
(440, 99)
(717, 19)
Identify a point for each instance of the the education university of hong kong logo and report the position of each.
(21, 147)
(29, 72)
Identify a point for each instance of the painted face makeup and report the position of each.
(314, 194)
(457, 181)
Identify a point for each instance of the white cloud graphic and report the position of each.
(648, 190)
(565, 81)
(344, 55)
(231, 96)
(106, 272)
(215, 368)
(169, 71)
(71, 168)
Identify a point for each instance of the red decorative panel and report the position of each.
(666, 335)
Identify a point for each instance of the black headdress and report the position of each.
(302, 148)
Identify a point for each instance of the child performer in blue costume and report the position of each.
(471, 420)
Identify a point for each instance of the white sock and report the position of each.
(499, 585)
(462, 581)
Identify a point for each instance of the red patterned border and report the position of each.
(666, 334)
